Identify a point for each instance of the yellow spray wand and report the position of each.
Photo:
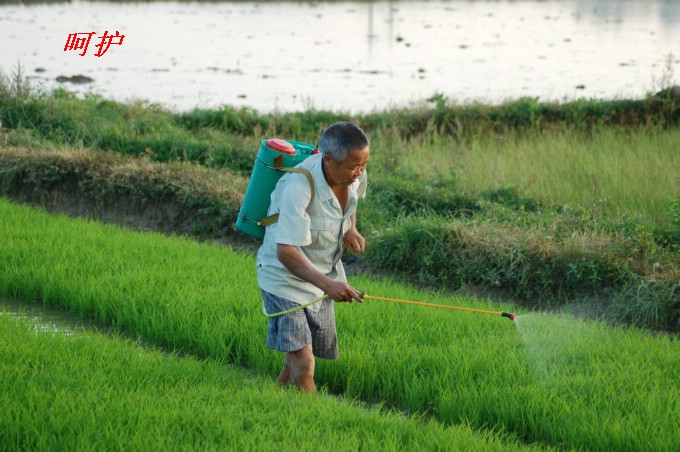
(364, 296)
(509, 315)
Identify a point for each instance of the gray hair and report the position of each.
(341, 138)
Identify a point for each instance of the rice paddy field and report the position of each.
(105, 392)
(434, 379)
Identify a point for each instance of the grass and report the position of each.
(616, 172)
(552, 380)
(124, 396)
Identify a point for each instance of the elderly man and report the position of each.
(299, 260)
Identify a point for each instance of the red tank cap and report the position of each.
(280, 145)
(315, 151)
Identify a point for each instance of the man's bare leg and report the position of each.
(301, 369)
(284, 376)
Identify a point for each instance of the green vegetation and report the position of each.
(544, 264)
(93, 392)
(545, 379)
(613, 171)
(546, 217)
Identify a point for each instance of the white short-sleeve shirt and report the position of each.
(316, 228)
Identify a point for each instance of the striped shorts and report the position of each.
(294, 331)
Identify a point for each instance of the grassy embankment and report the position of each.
(97, 392)
(544, 379)
(547, 203)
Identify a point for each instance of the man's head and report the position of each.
(340, 138)
(345, 152)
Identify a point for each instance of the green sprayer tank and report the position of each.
(275, 158)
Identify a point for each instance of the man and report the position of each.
(299, 260)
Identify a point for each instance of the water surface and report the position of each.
(352, 56)
(46, 319)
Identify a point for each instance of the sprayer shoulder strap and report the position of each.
(278, 165)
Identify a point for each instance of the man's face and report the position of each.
(345, 172)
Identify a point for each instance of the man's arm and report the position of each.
(300, 267)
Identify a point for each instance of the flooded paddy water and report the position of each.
(349, 56)
(47, 319)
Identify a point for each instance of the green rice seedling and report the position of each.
(554, 380)
(91, 392)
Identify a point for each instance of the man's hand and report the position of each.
(354, 241)
(300, 267)
(340, 291)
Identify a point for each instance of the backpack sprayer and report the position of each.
(364, 296)
(275, 158)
